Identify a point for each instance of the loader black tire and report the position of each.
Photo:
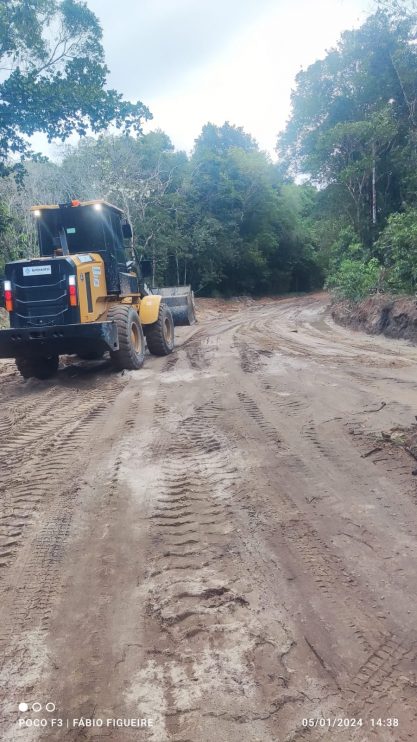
(131, 353)
(160, 335)
(38, 368)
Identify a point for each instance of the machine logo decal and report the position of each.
(37, 270)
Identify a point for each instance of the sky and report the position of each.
(194, 61)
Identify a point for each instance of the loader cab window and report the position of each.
(86, 230)
(118, 241)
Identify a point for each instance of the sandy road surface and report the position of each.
(210, 542)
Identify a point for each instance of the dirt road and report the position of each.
(218, 542)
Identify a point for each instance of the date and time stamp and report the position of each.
(26, 720)
(341, 722)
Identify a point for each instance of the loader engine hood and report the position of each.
(40, 292)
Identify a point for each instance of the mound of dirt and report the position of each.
(395, 317)
(211, 308)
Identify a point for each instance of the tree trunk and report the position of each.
(178, 268)
(153, 269)
(374, 213)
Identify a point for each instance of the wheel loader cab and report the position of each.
(89, 227)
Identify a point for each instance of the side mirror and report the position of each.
(127, 230)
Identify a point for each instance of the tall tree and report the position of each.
(54, 76)
(353, 121)
(244, 224)
(220, 219)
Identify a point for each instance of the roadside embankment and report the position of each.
(395, 317)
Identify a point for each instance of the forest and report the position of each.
(338, 207)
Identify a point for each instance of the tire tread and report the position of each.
(124, 358)
(155, 336)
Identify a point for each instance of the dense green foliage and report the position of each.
(355, 279)
(397, 246)
(53, 76)
(226, 218)
(221, 219)
(353, 132)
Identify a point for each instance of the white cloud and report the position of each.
(151, 44)
(193, 61)
(250, 82)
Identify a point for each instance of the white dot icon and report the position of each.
(23, 707)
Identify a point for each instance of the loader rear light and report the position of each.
(72, 291)
(8, 296)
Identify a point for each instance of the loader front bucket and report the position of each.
(180, 300)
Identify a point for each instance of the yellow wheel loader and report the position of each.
(81, 296)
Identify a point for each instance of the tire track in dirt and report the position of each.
(256, 414)
(102, 500)
(35, 463)
(45, 469)
(200, 622)
(171, 362)
(343, 595)
(326, 568)
(50, 427)
(200, 350)
(40, 513)
(291, 408)
(250, 357)
(334, 458)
